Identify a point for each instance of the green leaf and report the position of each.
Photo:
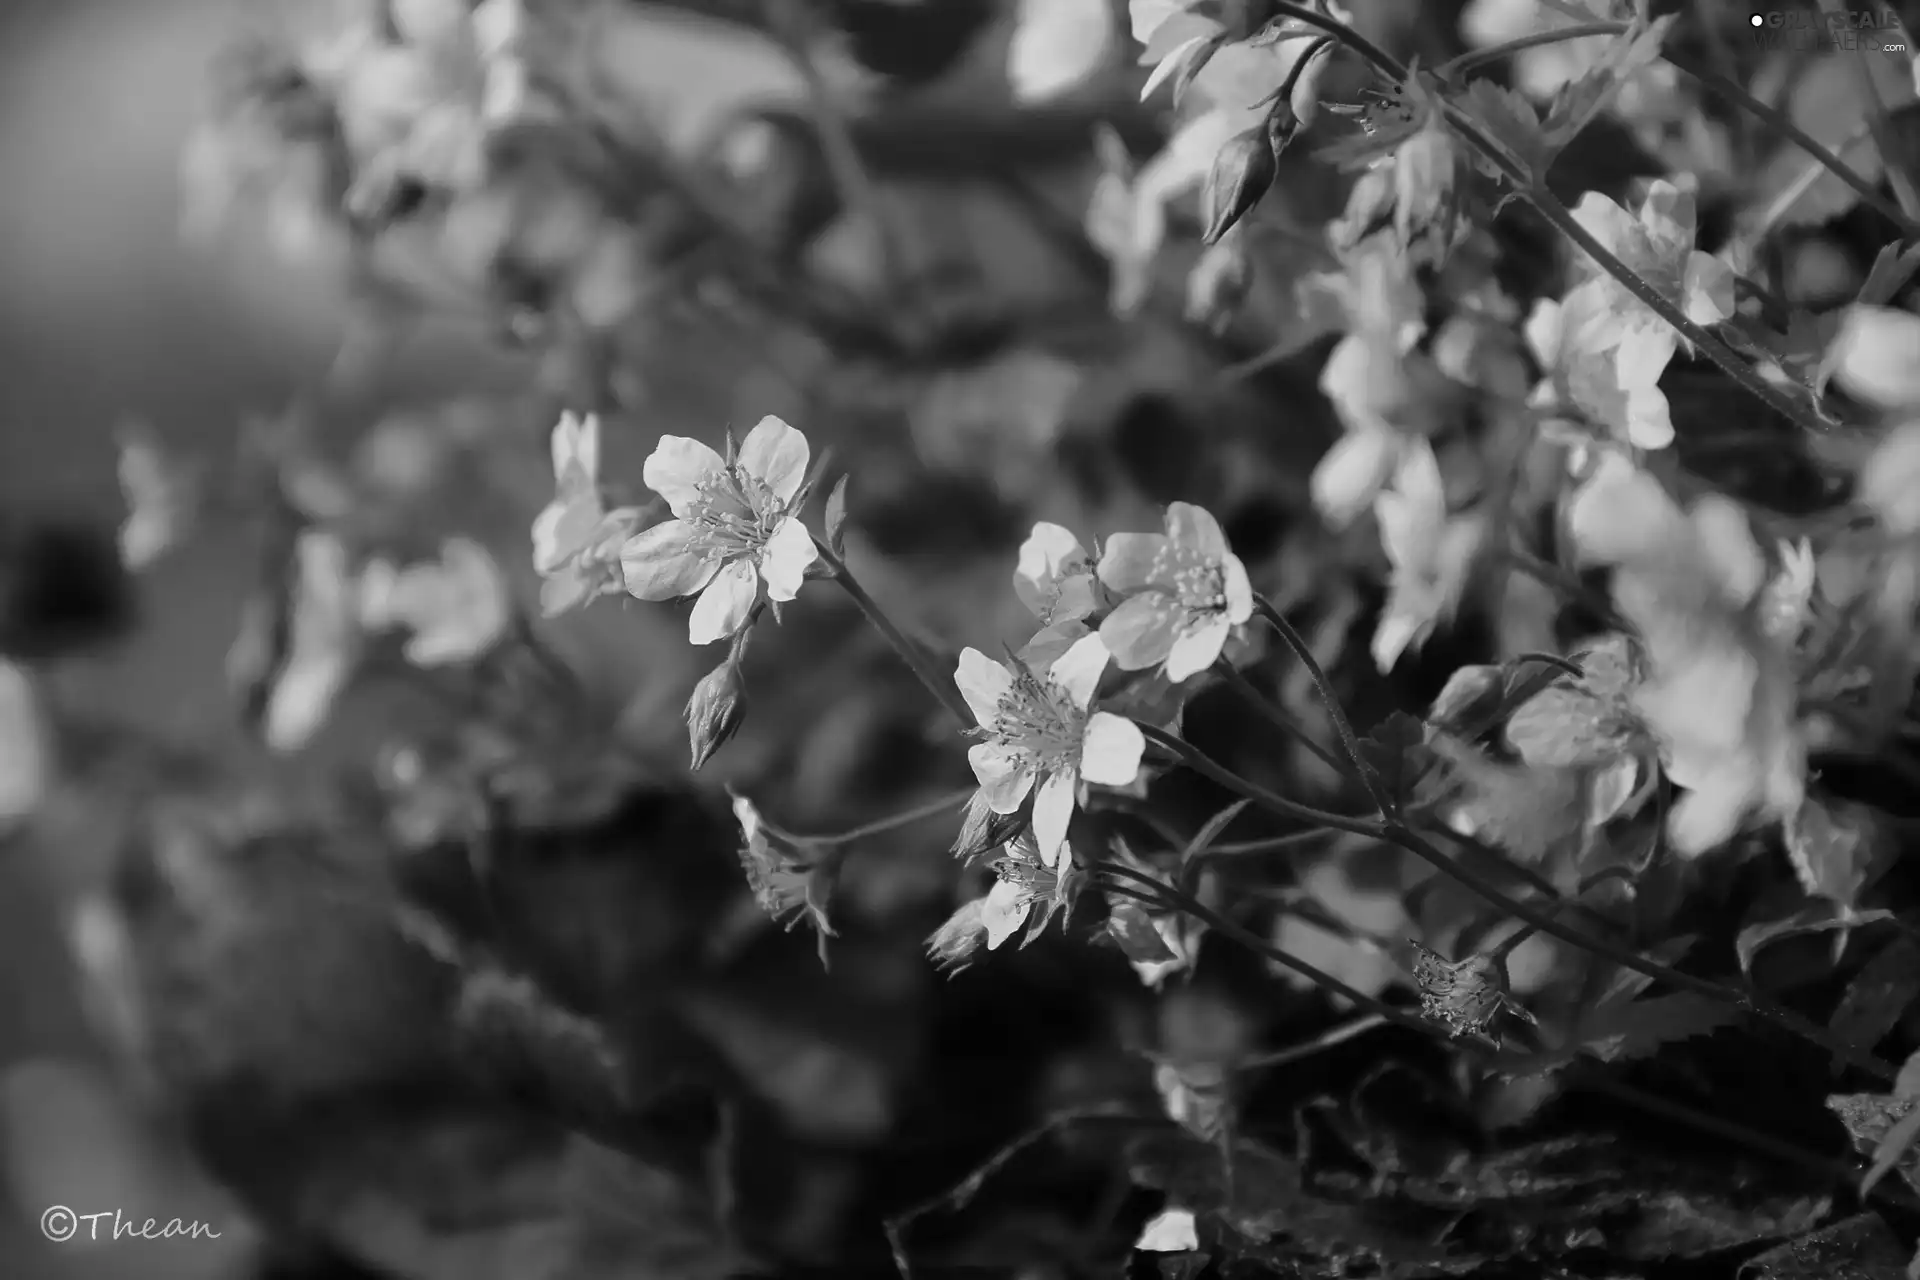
(1879, 994)
(1510, 120)
(1819, 916)
(1832, 849)
(1884, 1127)
(1576, 106)
(1858, 1248)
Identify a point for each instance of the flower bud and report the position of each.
(1241, 174)
(716, 710)
(1470, 700)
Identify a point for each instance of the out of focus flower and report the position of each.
(1057, 44)
(1656, 242)
(1218, 284)
(1041, 738)
(457, 606)
(1185, 591)
(26, 764)
(323, 645)
(161, 494)
(1432, 554)
(1786, 602)
(576, 540)
(734, 524)
(1719, 694)
(1463, 996)
(1169, 1231)
(786, 886)
(1621, 398)
(1875, 357)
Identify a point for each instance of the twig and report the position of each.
(941, 687)
(791, 21)
(1348, 739)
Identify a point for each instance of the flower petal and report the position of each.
(1195, 527)
(575, 443)
(1127, 563)
(1053, 577)
(776, 455)
(786, 558)
(1053, 813)
(725, 605)
(1078, 670)
(983, 683)
(1003, 774)
(667, 561)
(1111, 750)
(1238, 590)
(564, 590)
(1197, 646)
(1004, 911)
(1140, 633)
(676, 469)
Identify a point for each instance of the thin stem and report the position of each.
(1382, 61)
(1307, 1048)
(1349, 741)
(1477, 58)
(1723, 86)
(1378, 1012)
(1397, 833)
(1279, 719)
(880, 826)
(941, 687)
(790, 21)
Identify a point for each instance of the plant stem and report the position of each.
(1881, 127)
(1349, 741)
(1382, 61)
(1723, 86)
(1397, 833)
(905, 818)
(1279, 719)
(791, 22)
(941, 687)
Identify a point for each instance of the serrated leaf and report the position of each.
(1622, 1030)
(1884, 1127)
(1510, 120)
(1133, 929)
(1579, 103)
(836, 523)
(1879, 994)
(1858, 1248)
(1818, 916)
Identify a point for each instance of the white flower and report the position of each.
(734, 525)
(1170, 1231)
(1625, 398)
(1054, 577)
(1875, 357)
(1186, 591)
(26, 765)
(1056, 45)
(1039, 735)
(1022, 881)
(1786, 602)
(323, 645)
(1354, 471)
(566, 524)
(1431, 553)
(160, 494)
(456, 606)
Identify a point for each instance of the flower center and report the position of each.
(1038, 718)
(1195, 581)
(736, 512)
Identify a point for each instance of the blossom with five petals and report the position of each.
(1432, 554)
(733, 525)
(456, 606)
(1024, 880)
(1041, 738)
(1185, 593)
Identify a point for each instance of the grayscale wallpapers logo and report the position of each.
(1798, 30)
